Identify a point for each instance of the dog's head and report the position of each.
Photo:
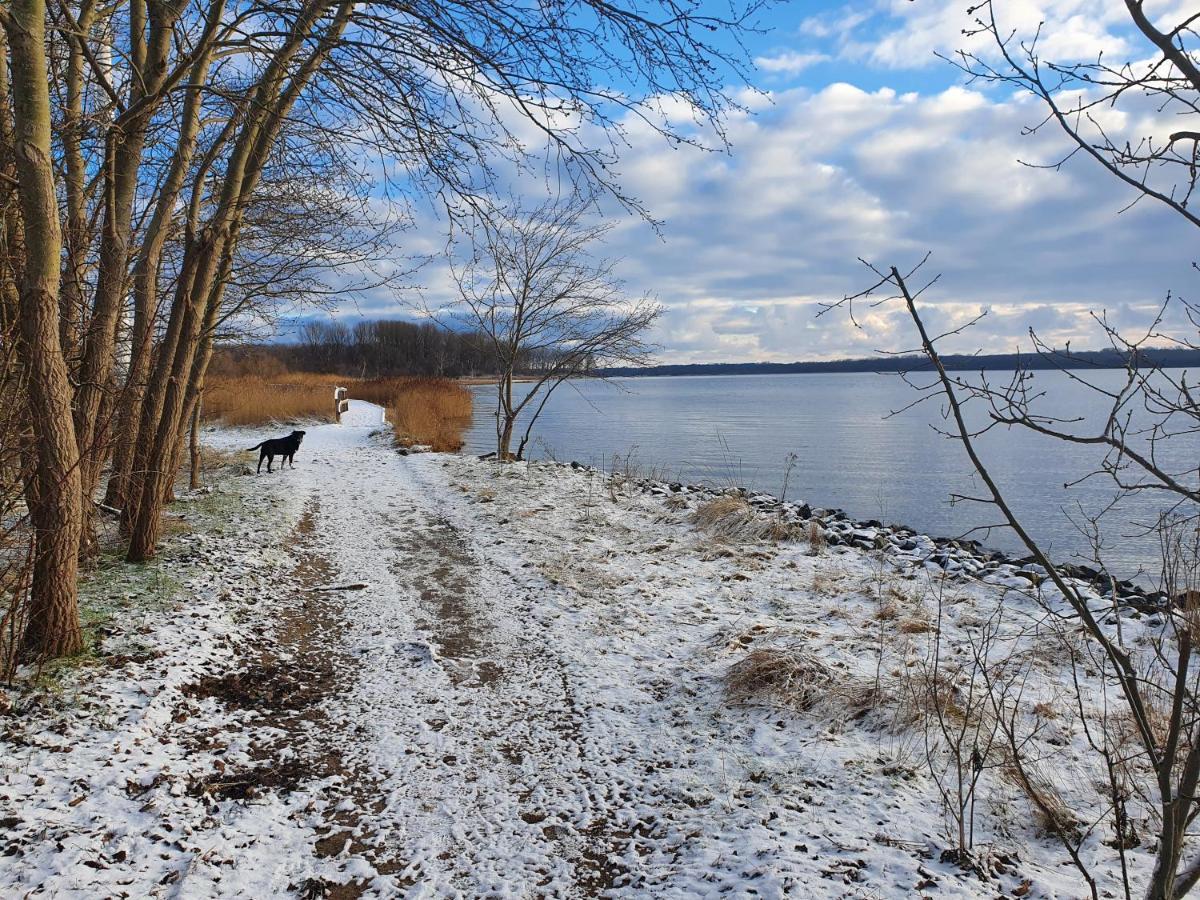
(298, 435)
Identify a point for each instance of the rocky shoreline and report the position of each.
(909, 548)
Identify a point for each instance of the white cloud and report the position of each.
(755, 240)
(789, 62)
(900, 34)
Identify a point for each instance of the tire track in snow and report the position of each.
(477, 734)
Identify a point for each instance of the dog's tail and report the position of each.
(255, 447)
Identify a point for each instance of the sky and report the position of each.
(858, 141)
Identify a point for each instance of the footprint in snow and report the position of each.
(418, 653)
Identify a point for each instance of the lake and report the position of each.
(849, 452)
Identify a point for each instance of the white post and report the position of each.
(340, 403)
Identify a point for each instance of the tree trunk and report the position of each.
(503, 450)
(53, 628)
(194, 443)
(145, 282)
(506, 419)
(122, 163)
(204, 255)
(75, 190)
(161, 411)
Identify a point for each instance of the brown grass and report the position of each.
(816, 538)
(255, 400)
(1045, 710)
(781, 675)
(887, 612)
(1051, 814)
(786, 675)
(733, 518)
(430, 411)
(212, 459)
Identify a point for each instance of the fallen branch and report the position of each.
(104, 507)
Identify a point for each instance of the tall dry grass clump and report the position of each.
(786, 676)
(257, 400)
(732, 518)
(381, 391)
(433, 412)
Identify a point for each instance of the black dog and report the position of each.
(285, 447)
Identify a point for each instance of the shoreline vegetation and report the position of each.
(435, 413)
(423, 411)
(740, 512)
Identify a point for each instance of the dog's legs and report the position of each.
(261, 457)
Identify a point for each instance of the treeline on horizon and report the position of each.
(385, 348)
(376, 349)
(1164, 358)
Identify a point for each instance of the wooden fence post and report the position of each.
(340, 403)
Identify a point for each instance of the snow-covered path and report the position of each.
(504, 735)
(427, 675)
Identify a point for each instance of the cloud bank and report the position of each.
(753, 241)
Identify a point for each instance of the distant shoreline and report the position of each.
(1164, 358)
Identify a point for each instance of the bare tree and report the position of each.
(1159, 83)
(1159, 685)
(341, 69)
(1149, 751)
(53, 491)
(533, 290)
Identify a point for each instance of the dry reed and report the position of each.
(433, 412)
(733, 518)
(1052, 816)
(816, 538)
(254, 400)
(781, 675)
(429, 411)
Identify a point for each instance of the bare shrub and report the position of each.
(955, 703)
(529, 284)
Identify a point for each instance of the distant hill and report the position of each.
(1166, 358)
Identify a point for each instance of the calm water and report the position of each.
(849, 453)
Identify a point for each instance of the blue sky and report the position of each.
(863, 143)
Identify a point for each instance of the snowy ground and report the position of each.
(515, 688)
